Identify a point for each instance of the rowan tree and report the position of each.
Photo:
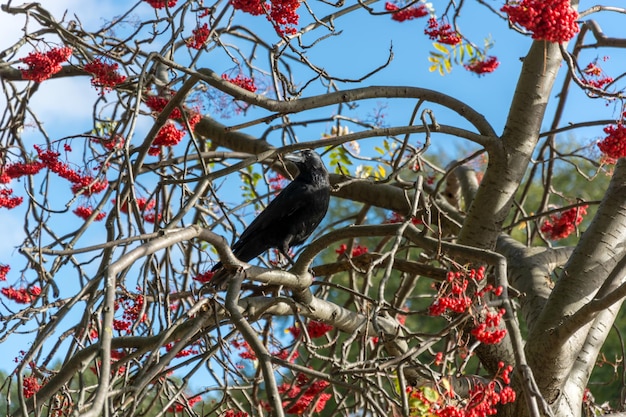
(480, 280)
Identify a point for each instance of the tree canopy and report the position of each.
(471, 261)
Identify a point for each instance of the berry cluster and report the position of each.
(7, 200)
(132, 306)
(152, 217)
(85, 212)
(595, 77)
(453, 293)
(553, 21)
(453, 296)
(180, 407)
(304, 396)
(199, 37)
(285, 354)
(561, 225)
(358, 250)
(105, 75)
(497, 291)
(111, 143)
(158, 103)
(116, 355)
(4, 270)
(281, 13)
(409, 13)
(22, 295)
(482, 66)
(159, 4)
(183, 352)
(277, 182)
(20, 169)
(241, 81)
(85, 184)
(42, 66)
(88, 185)
(247, 352)
(314, 329)
(614, 144)
(484, 397)
(442, 33)
(399, 218)
(401, 318)
(204, 277)
(593, 69)
(254, 7)
(284, 16)
(504, 371)
(169, 134)
(143, 206)
(487, 332)
(31, 386)
(48, 159)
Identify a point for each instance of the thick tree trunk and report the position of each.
(564, 341)
(508, 161)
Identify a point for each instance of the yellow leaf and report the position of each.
(522, 225)
(433, 68)
(470, 49)
(441, 48)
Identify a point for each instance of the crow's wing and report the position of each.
(276, 217)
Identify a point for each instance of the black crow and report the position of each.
(290, 218)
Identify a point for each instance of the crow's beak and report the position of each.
(294, 157)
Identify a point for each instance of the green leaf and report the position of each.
(338, 156)
(430, 394)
